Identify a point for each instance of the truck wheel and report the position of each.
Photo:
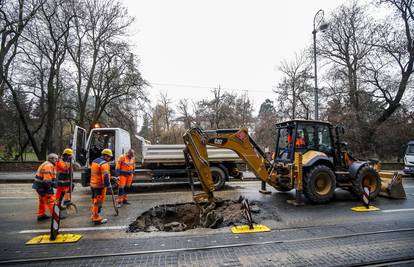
(219, 177)
(319, 184)
(366, 177)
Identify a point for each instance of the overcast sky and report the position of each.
(189, 46)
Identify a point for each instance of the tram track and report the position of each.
(407, 260)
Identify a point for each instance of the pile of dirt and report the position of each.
(185, 216)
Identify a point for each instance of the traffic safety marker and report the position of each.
(55, 237)
(363, 208)
(61, 238)
(365, 201)
(250, 228)
(245, 229)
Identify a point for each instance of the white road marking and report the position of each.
(408, 186)
(398, 210)
(84, 229)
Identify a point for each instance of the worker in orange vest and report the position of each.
(125, 167)
(300, 142)
(64, 172)
(100, 179)
(43, 184)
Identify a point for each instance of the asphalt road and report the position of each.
(321, 235)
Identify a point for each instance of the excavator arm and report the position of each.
(238, 140)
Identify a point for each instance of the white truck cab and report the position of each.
(409, 159)
(87, 148)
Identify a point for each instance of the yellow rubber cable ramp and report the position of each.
(364, 209)
(60, 239)
(246, 229)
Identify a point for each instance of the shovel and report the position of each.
(71, 207)
(113, 199)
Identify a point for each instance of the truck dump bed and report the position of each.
(174, 154)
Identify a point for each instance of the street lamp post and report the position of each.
(318, 25)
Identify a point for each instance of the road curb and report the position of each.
(24, 181)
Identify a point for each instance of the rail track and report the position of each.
(386, 262)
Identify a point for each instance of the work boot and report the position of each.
(103, 221)
(42, 218)
(125, 202)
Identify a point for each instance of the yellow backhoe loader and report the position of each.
(309, 157)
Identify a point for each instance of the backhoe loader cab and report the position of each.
(303, 136)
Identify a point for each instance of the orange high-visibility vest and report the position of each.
(300, 142)
(46, 172)
(289, 139)
(64, 171)
(99, 169)
(125, 165)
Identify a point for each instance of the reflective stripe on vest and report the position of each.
(125, 165)
(99, 168)
(46, 172)
(63, 170)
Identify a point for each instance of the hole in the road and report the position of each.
(185, 216)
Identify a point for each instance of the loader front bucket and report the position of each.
(391, 185)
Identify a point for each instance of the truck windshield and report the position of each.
(99, 141)
(410, 149)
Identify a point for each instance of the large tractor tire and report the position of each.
(219, 177)
(366, 177)
(319, 184)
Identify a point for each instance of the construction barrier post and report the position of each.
(55, 237)
(297, 173)
(365, 197)
(55, 218)
(263, 189)
(250, 228)
(365, 202)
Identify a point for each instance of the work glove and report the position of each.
(54, 184)
(117, 172)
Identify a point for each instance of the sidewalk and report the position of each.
(26, 177)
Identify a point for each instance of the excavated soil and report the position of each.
(185, 216)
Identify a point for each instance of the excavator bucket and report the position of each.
(391, 185)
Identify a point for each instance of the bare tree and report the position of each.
(184, 111)
(347, 46)
(167, 111)
(295, 91)
(14, 17)
(117, 78)
(393, 64)
(264, 131)
(97, 23)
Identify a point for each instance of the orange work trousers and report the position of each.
(124, 187)
(98, 198)
(62, 190)
(45, 201)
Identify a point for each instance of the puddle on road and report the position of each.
(184, 216)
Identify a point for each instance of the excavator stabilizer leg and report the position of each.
(391, 185)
